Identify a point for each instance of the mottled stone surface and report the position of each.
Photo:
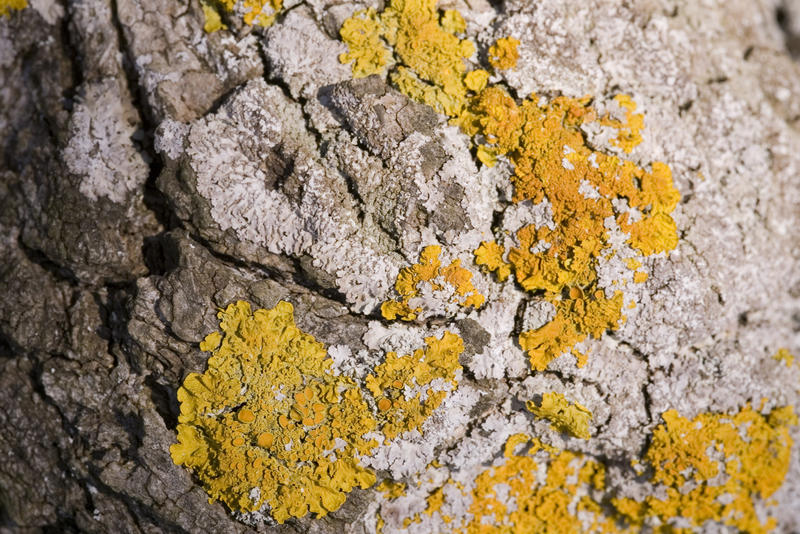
(151, 173)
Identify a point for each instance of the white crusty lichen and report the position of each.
(244, 196)
(170, 137)
(301, 55)
(101, 150)
(391, 204)
(413, 450)
(50, 10)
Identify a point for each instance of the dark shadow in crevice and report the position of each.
(59, 272)
(161, 254)
(165, 401)
(787, 25)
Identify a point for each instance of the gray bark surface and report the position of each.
(151, 174)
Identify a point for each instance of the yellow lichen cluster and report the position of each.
(363, 35)
(423, 44)
(7, 5)
(400, 411)
(564, 416)
(268, 422)
(545, 507)
(587, 189)
(783, 355)
(258, 12)
(514, 494)
(490, 255)
(503, 54)
(577, 317)
(714, 467)
(453, 279)
(553, 163)
(391, 489)
(629, 131)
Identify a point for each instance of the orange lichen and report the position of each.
(503, 53)
(577, 318)
(552, 162)
(715, 467)
(587, 189)
(453, 282)
(406, 387)
(258, 12)
(7, 5)
(629, 131)
(268, 423)
(564, 416)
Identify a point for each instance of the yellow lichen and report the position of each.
(362, 35)
(452, 281)
(548, 506)
(425, 44)
(391, 489)
(577, 317)
(476, 80)
(633, 263)
(453, 22)
(490, 255)
(435, 501)
(564, 416)
(404, 386)
(544, 142)
(534, 488)
(715, 467)
(652, 234)
(503, 54)
(7, 5)
(629, 131)
(551, 161)
(783, 355)
(255, 12)
(260, 426)
(213, 19)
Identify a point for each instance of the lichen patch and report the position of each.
(451, 284)
(7, 5)
(544, 142)
(252, 12)
(715, 467)
(268, 413)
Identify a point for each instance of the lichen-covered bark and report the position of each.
(151, 174)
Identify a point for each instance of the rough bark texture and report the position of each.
(152, 173)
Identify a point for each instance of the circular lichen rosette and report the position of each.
(269, 423)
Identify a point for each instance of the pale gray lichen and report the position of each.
(309, 186)
(101, 151)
